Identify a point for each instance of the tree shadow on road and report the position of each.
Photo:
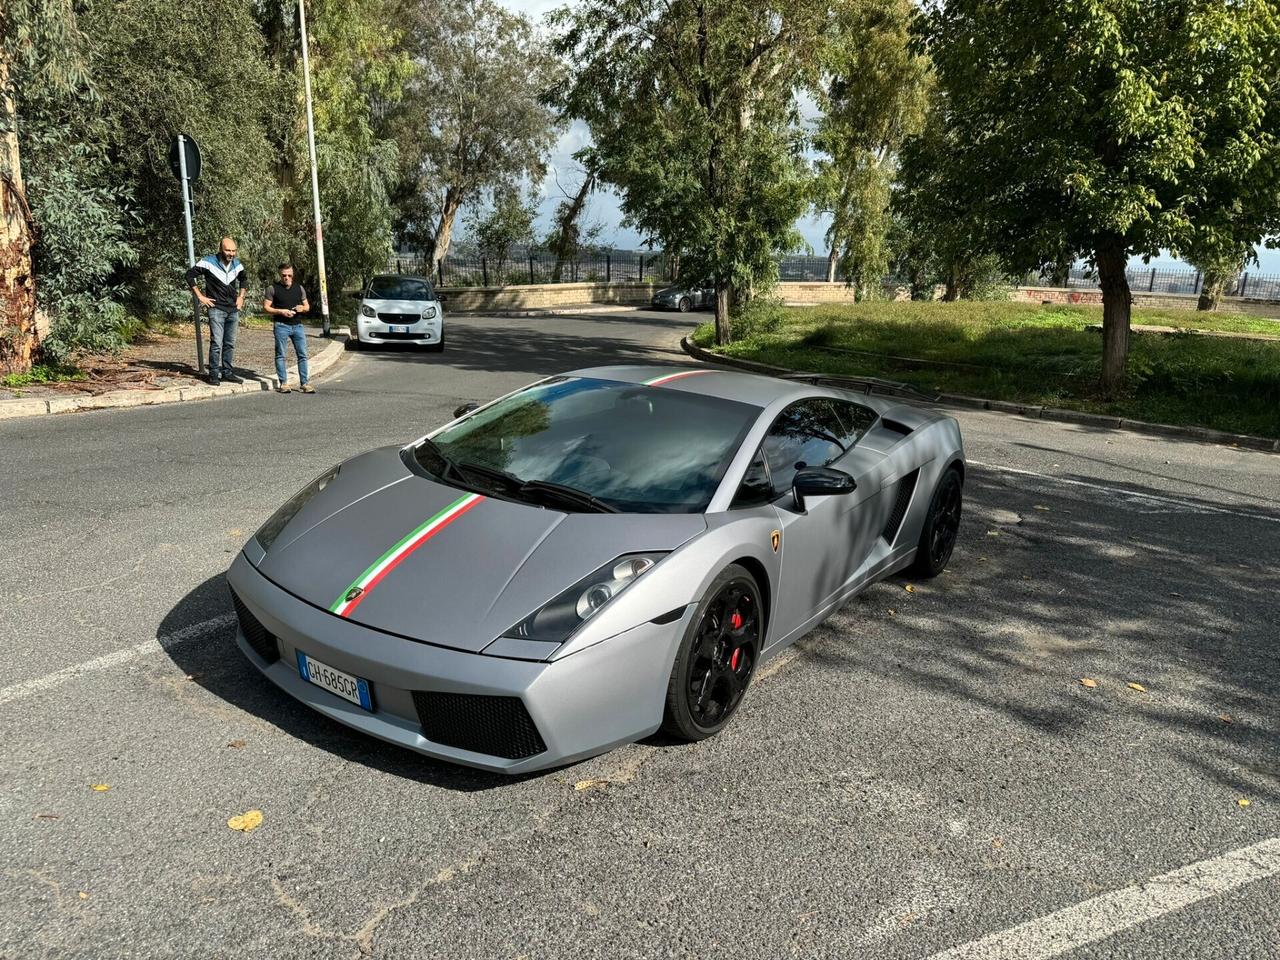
(215, 663)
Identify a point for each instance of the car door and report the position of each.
(823, 546)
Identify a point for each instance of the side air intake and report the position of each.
(906, 487)
(262, 642)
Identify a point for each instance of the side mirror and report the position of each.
(466, 408)
(820, 482)
(358, 295)
(441, 298)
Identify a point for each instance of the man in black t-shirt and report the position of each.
(286, 302)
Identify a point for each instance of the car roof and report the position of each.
(400, 276)
(757, 389)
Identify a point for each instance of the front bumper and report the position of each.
(369, 330)
(584, 704)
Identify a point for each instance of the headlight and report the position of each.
(368, 311)
(428, 313)
(280, 519)
(556, 621)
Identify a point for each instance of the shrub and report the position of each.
(761, 315)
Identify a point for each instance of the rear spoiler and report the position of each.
(867, 385)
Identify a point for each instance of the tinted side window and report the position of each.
(808, 433)
(755, 488)
(856, 419)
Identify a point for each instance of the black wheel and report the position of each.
(717, 657)
(941, 524)
(685, 304)
(436, 347)
(353, 343)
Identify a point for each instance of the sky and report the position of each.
(564, 175)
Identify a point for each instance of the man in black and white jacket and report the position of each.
(225, 284)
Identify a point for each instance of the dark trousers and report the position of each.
(222, 341)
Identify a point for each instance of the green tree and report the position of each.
(875, 98)
(692, 107)
(477, 116)
(567, 235)
(1107, 126)
(508, 223)
(43, 36)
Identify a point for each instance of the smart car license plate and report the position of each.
(396, 329)
(335, 681)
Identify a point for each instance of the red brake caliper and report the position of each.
(736, 622)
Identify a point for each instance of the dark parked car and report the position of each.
(701, 296)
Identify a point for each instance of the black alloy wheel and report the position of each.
(717, 657)
(941, 526)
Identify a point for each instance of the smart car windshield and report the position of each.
(633, 448)
(399, 288)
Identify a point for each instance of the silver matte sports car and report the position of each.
(590, 558)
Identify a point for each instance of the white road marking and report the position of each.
(27, 688)
(1110, 913)
(1123, 492)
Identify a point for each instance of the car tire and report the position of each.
(685, 304)
(436, 347)
(717, 657)
(354, 343)
(941, 526)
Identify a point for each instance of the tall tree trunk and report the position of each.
(724, 302)
(567, 239)
(444, 233)
(833, 260)
(952, 293)
(18, 339)
(1116, 303)
(1211, 290)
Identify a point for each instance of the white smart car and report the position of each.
(400, 309)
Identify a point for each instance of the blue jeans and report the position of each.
(222, 341)
(285, 332)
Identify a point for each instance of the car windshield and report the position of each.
(638, 449)
(399, 288)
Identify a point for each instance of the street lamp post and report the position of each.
(315, 181)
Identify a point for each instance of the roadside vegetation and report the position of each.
(1034, 354)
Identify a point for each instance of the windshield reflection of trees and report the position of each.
(493, 443)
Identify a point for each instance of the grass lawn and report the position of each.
(1037, 354)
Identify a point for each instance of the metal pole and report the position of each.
(191, 246)
(315, 180)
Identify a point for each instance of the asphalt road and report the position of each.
(923, 775)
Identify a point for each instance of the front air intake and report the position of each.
(262, 642)
(497, 726)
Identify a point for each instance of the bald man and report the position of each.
(224, 289)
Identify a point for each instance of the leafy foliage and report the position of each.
(1111, 126)
(507, 223)
(693, 110)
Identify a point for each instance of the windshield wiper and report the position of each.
(450, 469)
(492, 474)
(559, 493)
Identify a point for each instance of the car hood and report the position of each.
(671, 292)
(462, 582)
(398, 306)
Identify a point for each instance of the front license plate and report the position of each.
(399, 329)
(335, 681)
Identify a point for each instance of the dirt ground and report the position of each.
(158, 360)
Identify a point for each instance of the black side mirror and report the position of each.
(441, 298)
(358, 295)
(819, 482)
(466, 408)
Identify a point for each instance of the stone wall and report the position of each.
(544, 295)
(1163, 301)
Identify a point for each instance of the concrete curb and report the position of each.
(1100, 421)
(113, 399)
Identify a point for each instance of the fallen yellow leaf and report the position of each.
(244, 822)
(1041, 506)
(593, 783)
(100, 787)
(910, 588)
(83, 895)
(893, 613)
(236, 744)
(1243, 801)
(1087, 682)
(1225, 718)
(1137, 686)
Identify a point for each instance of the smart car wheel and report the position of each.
(717, 657)
(941, 525)
(685, 304)
(436, 347)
